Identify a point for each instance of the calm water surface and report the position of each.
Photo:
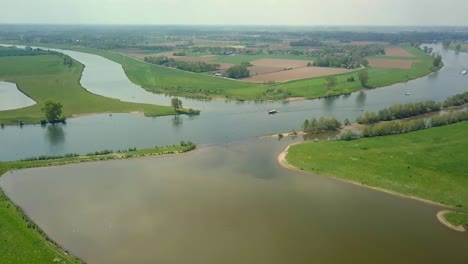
(12, 98)
(219, 122)
(229, 203)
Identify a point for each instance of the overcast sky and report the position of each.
(237, 12)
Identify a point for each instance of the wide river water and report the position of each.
(229, 201)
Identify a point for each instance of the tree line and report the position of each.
(323, 124)
(182, 65)
(401, 111)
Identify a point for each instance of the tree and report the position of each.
(238, 71)
(176, 103)
(331, 81)
(52, 110)
(363, 77)
(437, 61)
(458, 47)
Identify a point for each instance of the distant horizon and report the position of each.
(236, 25)
(242, 12)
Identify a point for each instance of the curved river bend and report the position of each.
(219, 121)
(12, 98)
(226, 203)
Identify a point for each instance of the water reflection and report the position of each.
(329, 104)
(361, 99)
(177, 121)
(55, 134)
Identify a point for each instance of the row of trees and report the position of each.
(456, 100)
(399, 111)
(397, 127)
(182, 65)
(323, 124)
(346, 57)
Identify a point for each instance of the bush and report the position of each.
(350, 79)
(321, 125)
(399, 111)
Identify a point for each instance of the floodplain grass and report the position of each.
(429, 164)
(46, 77)
(22, 241)
(457, 219)
(159, 79)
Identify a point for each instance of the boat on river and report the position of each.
(272, 111)
(464, 72)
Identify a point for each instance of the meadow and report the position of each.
(45, 77)
(427, 164)
(160, 79)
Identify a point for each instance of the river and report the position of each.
(219, 121)
(12, 98)
(229, 201)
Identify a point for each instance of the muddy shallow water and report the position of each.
(230, 203)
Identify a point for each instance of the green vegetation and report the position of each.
(399, 127)
(52, 110)
(46, 77)
(457, 219)
(238, 72)
(182, 65)
(350, 57)
(169, 81)
(399, 111)
(428, 164)
(323, 124)
(22, 241)
(176, 103)
(175, 82)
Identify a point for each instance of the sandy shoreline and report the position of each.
(442, 220)
(283, 162)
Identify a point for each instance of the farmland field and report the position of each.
(295, 74)
(390, 63)
(396, 51)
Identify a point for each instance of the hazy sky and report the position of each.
(241, 12)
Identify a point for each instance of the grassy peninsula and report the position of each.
(429, 164)
(22, 241)
(160, 79)
(43, 77)
(457, 219)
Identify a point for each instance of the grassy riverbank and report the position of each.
(429, 164)
(165, 80)
(457, 219)
(45, 76)
(21, 240)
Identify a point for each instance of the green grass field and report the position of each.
(457, 219)
(21, 240)
(45, 76)
(429, 164)
(23, 244)
(164, 80)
